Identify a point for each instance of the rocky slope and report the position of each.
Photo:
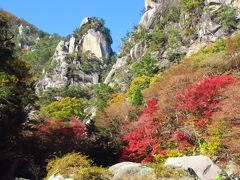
(25, 34)
(79, 59)
(170, 30)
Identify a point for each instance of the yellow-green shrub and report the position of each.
(65, 108)
(93, 173)
(76, 166)
(68, 164)
(138, 83)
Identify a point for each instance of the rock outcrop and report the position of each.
(202, 166)
(130, 170)
(78, 60)
(194, 28)
(95, 42)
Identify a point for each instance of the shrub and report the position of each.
(93, 172)
(228, 18)
(94, 23)
(142, 138)
(117, 98)
(147, 66)
(156, 40)
(65, 108)
(102, 93)
(68, 164)
(191, 5)
(137, 99)
(77, 166)
(137, 84)
(202, 99)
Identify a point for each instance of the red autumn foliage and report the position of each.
(202, 99)
(142, 140)
(73, 129)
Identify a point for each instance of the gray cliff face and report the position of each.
(78, 60)
(195, 30)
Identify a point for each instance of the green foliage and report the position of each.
(191, 5)
(126, 45)
(76, 90)
(174, 42)
(173, 15)
(228, 18)
(66, 108)
(167, 172)
(40, 55)
(147, 66)
(94, 23)
(94, 173)
(137, 99)
(137, 85)
(156, 40)
(139, 34)
(102, 94)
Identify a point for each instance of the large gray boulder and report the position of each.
(130, 170)
(202, 166)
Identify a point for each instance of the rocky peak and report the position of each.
(81, 58)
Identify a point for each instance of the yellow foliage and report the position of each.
(117, 98)
(76, 166)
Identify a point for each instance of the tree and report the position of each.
(65, 108)
(137, 98)
(147, 66)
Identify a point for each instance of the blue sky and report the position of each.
(63, 16)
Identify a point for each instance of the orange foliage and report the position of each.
(115, 115)
(230, 113)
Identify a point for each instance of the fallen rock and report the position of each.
(130, 170)
(202, 166)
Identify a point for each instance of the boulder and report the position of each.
(130, 170)
(202, 166)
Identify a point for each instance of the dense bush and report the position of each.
(102, 93)
(77, 166)
(65, 108)
(40, 55)
(202, 99)
(191, 5)
(228, 18)
(142, 138)
(137, 85)
(147, 66)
